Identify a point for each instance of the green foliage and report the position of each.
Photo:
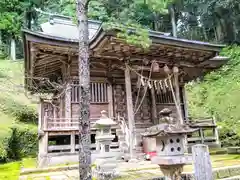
(159, 5)
(11, 23)
(132, 33)
(97, 11)
(21, 142)
(14, 14)
(10, 20)
(212, 20)
(22, 112)
(218, 95)
(227, 136)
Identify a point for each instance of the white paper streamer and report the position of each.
(142, 81)
(155, 84)
(149, 85)
(138, 82)
(161, 85)
(165, 81)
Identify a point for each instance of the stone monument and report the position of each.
(170, 139)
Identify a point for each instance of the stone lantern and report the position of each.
(170, 145)
(106, 160)
(104, 136)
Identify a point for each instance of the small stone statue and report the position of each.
(167, 125)
(166, 118)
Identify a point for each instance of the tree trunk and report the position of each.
(84, 82)
(219, 30)
(0, 38)
(1, 44)
(29, 21)
(173, 21)
(13, 49)
(205, 34)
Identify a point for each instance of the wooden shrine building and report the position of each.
(127, 81)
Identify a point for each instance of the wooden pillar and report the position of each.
(61, 107)
(185, 103)
(67, 97)
(177, 93)
(201, 135)
(54, 112)
(68, 113)
(54, 115)
(216, 131)
(97, 142)
(73, 142)
(43, 149)
(130, 111)
(45, 121)
(110, 100)
(154, 106)
(202, 163)
(43, 143)
(32, 64)
(46, 142)
(40, 115)
(68, 102)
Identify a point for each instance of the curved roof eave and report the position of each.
(156, 37)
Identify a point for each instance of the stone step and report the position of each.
(232, 178)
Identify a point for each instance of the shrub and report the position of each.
(3, 152)
(228, 136)
(22, 142)
(14, 145)
(22, 112)
(27, 115)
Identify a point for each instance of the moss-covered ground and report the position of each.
(218, 161)
(11, 171)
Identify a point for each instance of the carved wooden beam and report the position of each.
(33, 60)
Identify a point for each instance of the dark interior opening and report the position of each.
(59, 140)
(116, 137)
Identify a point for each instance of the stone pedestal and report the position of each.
(104, 142)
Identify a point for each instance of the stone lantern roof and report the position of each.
(167, 129)
(104, 120)
(168, 126)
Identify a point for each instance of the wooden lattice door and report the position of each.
(98, 99)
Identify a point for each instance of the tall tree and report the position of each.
(84, 82)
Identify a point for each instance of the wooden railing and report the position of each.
(207, 131)
(69, 147)
(63, 124)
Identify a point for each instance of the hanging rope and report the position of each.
(155, 83)
(139, 88)
(145, 90)
(175, 99)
